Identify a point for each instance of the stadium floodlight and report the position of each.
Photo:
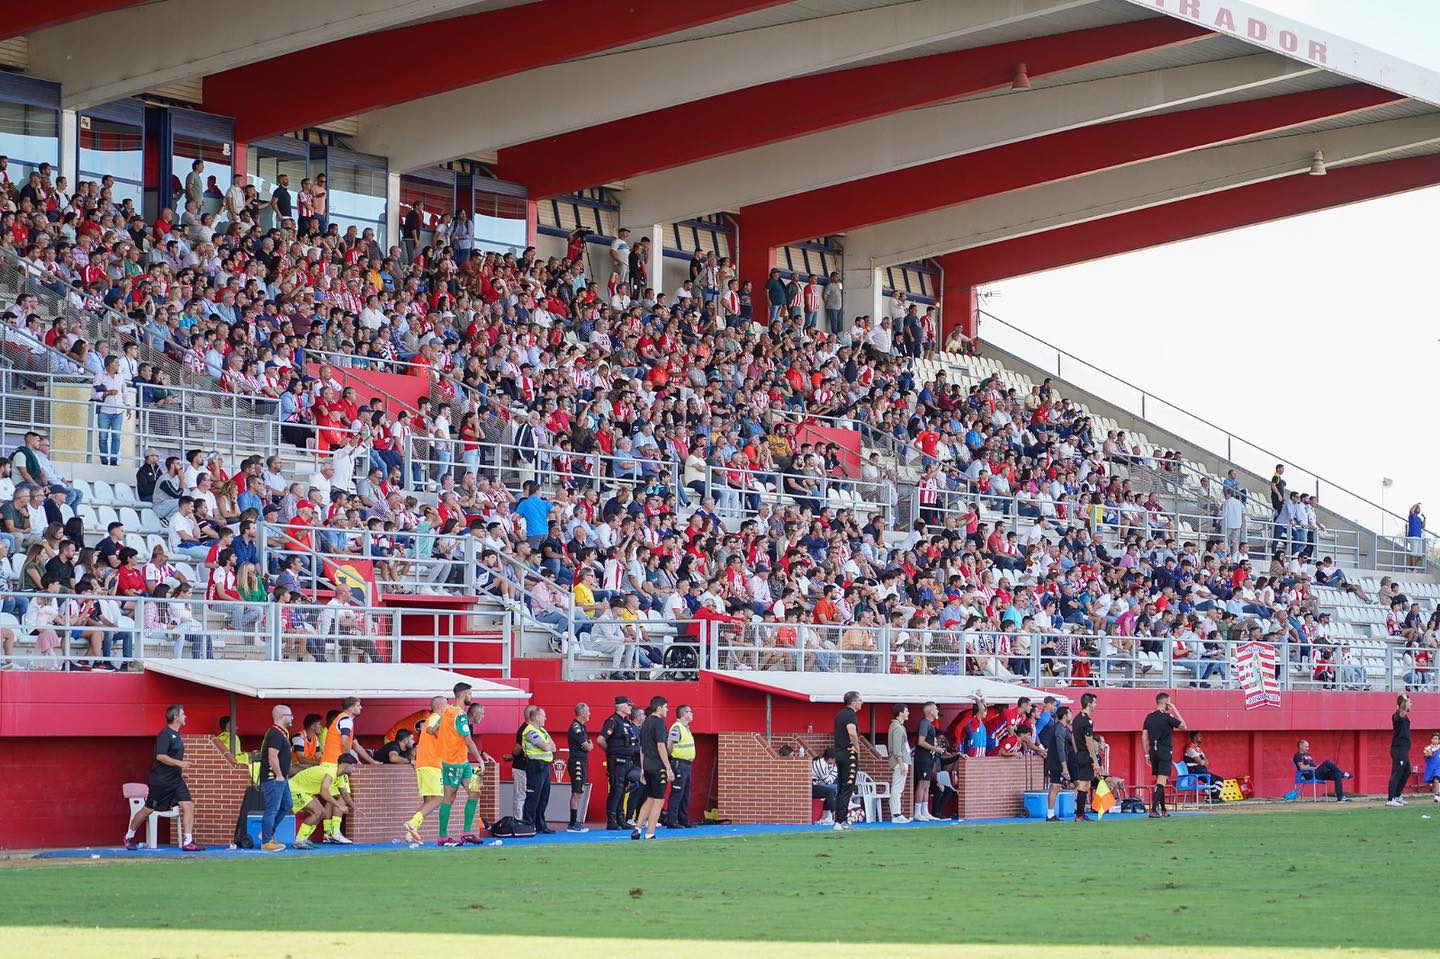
(1021, 80)
(1317, 163)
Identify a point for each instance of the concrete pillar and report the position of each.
(70, 147)
(656, 266)
(864, 289)
(392, 210)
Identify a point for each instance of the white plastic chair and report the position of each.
(130, 518)
(125, 495)
(874, 796)
(104, 494)
(150, 522)
(135, 796)
(90, 518)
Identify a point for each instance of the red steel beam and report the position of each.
(932, 186)
(269, 97)
(1187, 219)
(770, 112)
(29, 17)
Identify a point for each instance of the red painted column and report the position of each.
(756, 259)
(239, 155)
(959, 304)
(532, 222)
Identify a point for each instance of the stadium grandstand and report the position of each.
(646, 359)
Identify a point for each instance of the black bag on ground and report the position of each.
(252, 802)
(508, 827)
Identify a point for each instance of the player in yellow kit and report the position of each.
(314, 803)
(427, 769)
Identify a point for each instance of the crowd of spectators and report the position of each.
(661, 440)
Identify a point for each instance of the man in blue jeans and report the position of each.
(275, 775)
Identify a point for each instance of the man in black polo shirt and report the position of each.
(275, 776)
(654, 766)
(1399, 751)
(167, 783)
(1155, 737)
(1082, 759)
(847, 757)
(620, 742)
(578, 741)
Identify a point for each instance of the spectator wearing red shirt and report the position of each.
(130, 577)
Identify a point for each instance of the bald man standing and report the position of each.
(275, 775)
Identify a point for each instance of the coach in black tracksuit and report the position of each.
(1399, 751)
(847, 758)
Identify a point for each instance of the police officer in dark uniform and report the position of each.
(578, 763)
(635, 781)
(621, 742)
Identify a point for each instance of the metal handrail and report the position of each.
(145, 627)
(1230, 438)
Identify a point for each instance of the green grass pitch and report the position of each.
(1273, 885)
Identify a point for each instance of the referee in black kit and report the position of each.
(847, 758)
(1155, 737)
(1399, 751)
(578, 761)
(1082, 759)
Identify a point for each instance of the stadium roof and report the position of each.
(877, 688)
(268, 680)
(1000, 136)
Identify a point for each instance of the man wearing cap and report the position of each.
(621, 742)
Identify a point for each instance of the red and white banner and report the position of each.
(1255, 669)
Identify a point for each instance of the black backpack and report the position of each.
(252, 802)
(508, 827)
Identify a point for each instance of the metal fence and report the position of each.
(45, 630)
(1061, 658)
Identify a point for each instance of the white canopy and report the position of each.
(271, 680)
(879, 688)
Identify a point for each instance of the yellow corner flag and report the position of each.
(1102, 800)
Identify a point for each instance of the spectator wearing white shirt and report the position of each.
(112, 397)
(1232, 521)
(322, 481)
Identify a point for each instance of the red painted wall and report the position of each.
(389, 387)
(85, 734)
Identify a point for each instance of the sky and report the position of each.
(1313, 337)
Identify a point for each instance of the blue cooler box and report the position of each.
(1064, 804)
(284, 829)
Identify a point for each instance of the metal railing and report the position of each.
(638, 648)
(44, 630)
(1059, 658)
(1198, 431)
(512, 466)
(96, 321)
(423, 561)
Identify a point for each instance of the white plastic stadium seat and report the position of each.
(104, 494)
(130, 518)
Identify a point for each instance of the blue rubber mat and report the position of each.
(560, 838)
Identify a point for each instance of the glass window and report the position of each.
(439, 198)
(29, 136)
(214, 173)
(357, 197)
(263, 166)
(499, 222)
(111, 148)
